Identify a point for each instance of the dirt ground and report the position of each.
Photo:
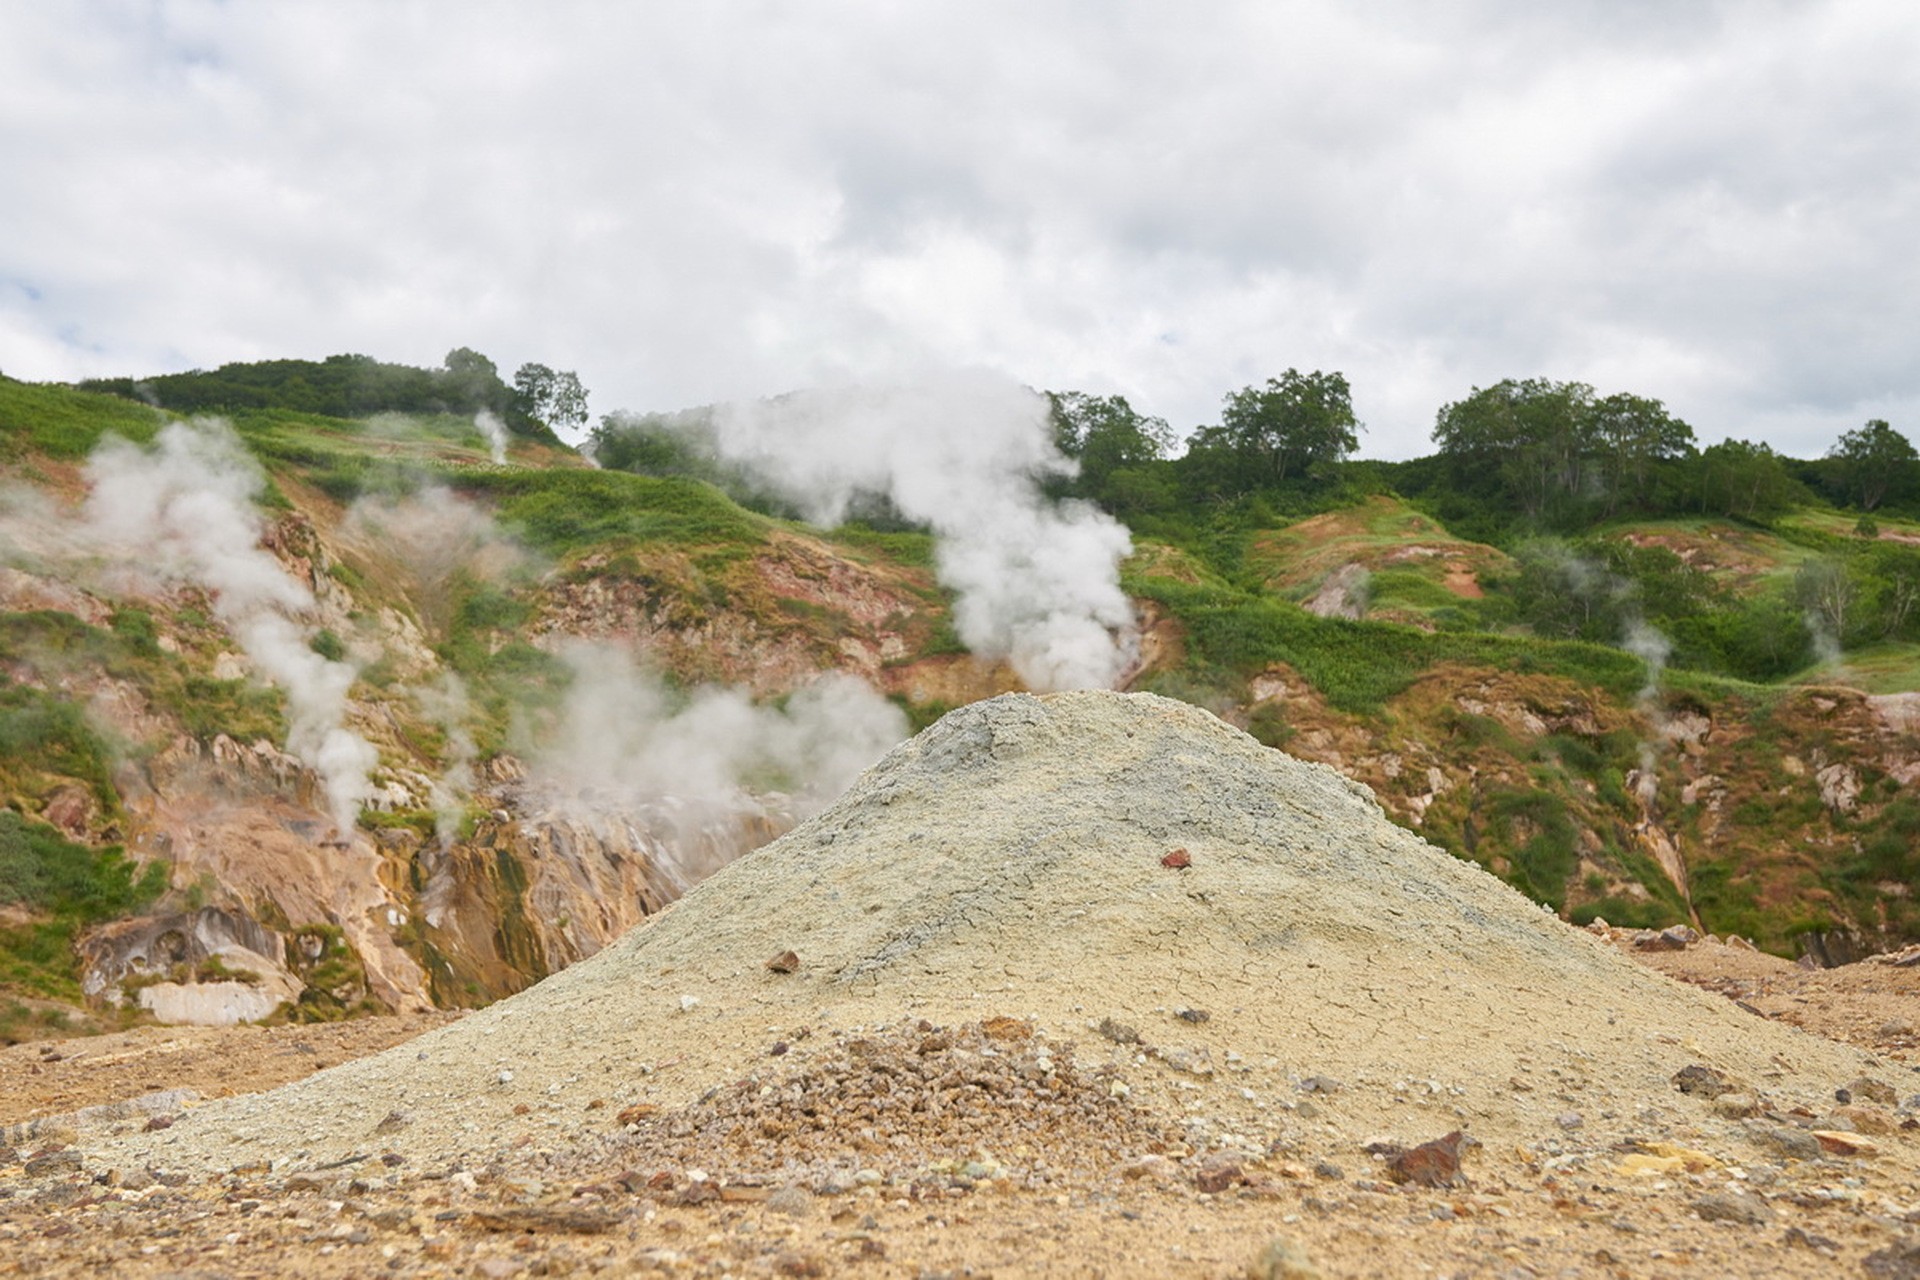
(641, 1205)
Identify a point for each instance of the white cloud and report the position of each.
(1705, 202)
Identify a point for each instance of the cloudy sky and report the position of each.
(1715, 204)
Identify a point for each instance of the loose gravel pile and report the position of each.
(1072, 860)
(1069, 983)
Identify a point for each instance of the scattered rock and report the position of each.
(1119, 1032)
(785, 962)
(1177, 860)
(393, 1122)
(1862, 1119)
(1219, 1174)
(1195, 1016)
(1898, 1261)
(793, 1201)
(559, 1219)
(1796, 1144)
(1431, 1164)
(1801, 1238)
(1158, 1168)
(1727, 1206)
(1735, 1106)
(1840, 1142)
(1700, 1081)
(1570, 1120)
(1871, 1090)
(1319, 1084)
(50, 1163)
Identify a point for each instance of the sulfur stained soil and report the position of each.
(1021, 1037)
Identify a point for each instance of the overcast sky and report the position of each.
(1717, 205)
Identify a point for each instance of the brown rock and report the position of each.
(1840, 1142)
(1177, 860)
(537, 1218)
(1867, 1089)
(1218, 1175)
(785, 962)
(1864, 1119)
(1431, 1164)
(636, 1113)
(1700, 1081)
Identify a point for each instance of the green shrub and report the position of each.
(44, 871)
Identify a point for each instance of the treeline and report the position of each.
(1519, 458)
(537, 403)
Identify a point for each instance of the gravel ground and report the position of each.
(1080, 985)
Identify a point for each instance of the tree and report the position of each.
(555, 400)
(1873, 460)
(472, 383)
(1297, 424)
(1105, 434)
(1530, 438)
(1739, 478)
(1632, 435)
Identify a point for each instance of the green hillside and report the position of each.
(1635, 678)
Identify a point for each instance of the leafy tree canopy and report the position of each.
(1555, 450)
(1296, 425)
(554, 399)
(1874, 460)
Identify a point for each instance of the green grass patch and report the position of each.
(1358, 666)
(68, 886)
(559, 512)
(61, 422)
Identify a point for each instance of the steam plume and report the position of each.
(495, 431)
(184, 509)
(1036, 583)
(625, 743)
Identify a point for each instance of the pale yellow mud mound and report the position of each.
(1014, 860)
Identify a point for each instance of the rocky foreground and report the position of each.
(1080, 985)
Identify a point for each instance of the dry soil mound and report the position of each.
(1075, 860)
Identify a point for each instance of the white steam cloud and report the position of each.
(1036, 583)
(183, 509)
(490, 426)
(625, 743)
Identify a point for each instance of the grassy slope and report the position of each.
(1550, 809)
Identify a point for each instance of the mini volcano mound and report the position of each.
(1219, 931)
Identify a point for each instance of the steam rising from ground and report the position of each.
(1036, 583)
(434, 540)
(625, 743)
(490, 426)
(183, 509)
(622, 743)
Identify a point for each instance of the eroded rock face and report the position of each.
(212, 967)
